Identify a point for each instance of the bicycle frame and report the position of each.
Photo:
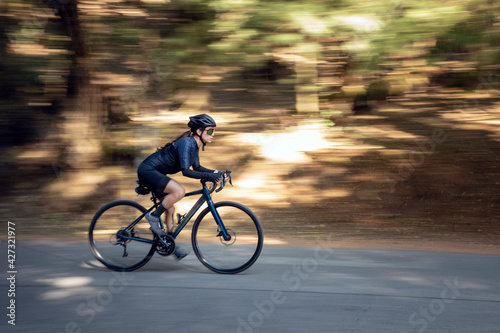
(205, 197)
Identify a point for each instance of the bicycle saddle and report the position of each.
(142, 189)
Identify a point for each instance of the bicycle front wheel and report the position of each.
(232, 255)
(110, 233)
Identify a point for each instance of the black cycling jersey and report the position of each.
(181, 155)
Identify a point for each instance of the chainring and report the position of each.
(165, 246)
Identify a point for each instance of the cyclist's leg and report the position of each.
(175, 193)
(169, 220)
(155, 181)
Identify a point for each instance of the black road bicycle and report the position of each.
(226, 236)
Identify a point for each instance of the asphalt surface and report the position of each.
(60, 287)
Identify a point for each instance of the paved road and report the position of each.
(60, 288)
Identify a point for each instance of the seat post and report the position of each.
(154, 198)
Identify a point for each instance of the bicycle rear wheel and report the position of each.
(108, 233)
(227, 256)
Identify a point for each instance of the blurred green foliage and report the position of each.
(175, 45)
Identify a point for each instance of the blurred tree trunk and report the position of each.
(306, 88)
(85, 110)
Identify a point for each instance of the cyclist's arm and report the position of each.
(213, 176)
(188, 156)
(198, 167)
(200, 172)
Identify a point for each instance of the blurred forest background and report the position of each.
(356, 120)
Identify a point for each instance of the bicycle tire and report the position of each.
(106, 244)
(232, 256)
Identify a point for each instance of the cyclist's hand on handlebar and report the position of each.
(216, 177)
(227, 176)
(224, 179)
(219, 178)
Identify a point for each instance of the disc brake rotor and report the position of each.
(231, 240)
(120, 238)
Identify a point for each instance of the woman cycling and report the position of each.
(179, 155)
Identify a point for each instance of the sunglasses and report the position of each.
(210, 131)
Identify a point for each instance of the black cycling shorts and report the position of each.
(152, 178)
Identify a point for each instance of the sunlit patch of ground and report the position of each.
(77, 185)
(34, 49)
(291, 144)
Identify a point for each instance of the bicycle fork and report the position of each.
(222, 229)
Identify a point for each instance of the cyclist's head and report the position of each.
(201, 121)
